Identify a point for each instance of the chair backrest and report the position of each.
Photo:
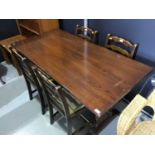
(120, 45)
(25, 65)
(3, 48)
(86, 33)
(54, 93)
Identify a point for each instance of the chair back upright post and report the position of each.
(121, 45)
(86, 33)
(65, 104)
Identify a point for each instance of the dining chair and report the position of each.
(27, 68)
(59, 99)
(86, 33)
(121, 45)
(128, 122)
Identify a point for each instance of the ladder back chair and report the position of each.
(86, 33)
(27, 68)
(121, 45)
(60, 100)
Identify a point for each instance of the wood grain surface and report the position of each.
(96, 76)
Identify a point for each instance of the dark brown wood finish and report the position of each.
(96, 76)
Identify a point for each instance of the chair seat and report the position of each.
(74, 105)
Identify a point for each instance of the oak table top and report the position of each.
(96, 76)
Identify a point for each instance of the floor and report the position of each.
(19, 116)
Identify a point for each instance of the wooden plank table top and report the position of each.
(96, 76)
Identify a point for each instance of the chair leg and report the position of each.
(29, 89)
(40, 92)
(2, 81)
(43, 106)
(69, 127)
(51, 114)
